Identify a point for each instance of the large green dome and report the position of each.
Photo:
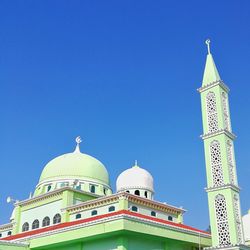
(75, 165)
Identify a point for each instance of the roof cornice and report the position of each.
(10, 243)
(7, 226)
(122, 214)
(213, 84)
(51, 194)
(115, 197)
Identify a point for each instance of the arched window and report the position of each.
(222, 220)
(48, 188)
(78, 216)
(9, 233)
(112, 208)
(25, 227)
(137, 192)
(146, 194)
(35, 224)
(57, 219)
(170, 218)
(153, 213)
(46, 221)
(134, 209)
(0, 235)
(92, 188)
(105, 191)
(94, 212)
(215, 155)
(127, 191)
(212, 117)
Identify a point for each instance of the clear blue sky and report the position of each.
(123, 75)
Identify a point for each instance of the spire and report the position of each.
(78, 141)
(210, 73)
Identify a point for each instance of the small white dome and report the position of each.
(246, 226)
(135, 177)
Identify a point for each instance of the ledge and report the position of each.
(219, 132)
(213, 84)
(235, 188)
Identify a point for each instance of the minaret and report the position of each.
(222, 186)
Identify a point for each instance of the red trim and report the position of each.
(77, 222)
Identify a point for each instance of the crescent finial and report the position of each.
(78, 141)
(208, 45)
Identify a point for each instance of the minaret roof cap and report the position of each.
(211, 73)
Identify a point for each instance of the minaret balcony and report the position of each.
(213, 84)
(219, 132)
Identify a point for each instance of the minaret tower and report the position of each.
(222, 186)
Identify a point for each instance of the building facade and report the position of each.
(73, 206)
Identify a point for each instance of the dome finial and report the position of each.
(208, 45)
(78, 141)
(136, 164)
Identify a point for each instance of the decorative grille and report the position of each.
(225, 112)
(238, 218)
(216, 164)
(222, 221)
(230, 162)
(212, 116)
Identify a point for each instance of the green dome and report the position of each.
(75, 165)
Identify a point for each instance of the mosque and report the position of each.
(73, 206)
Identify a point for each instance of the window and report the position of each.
(134, 209)
(25, 227)
(64, 184)
(48, 188)
(146, 194)
(46, 221)
(57, 219)
(94, 212)
(105, 191)
(153, 213)
(127, 191)
(78, 185)
(170, 218)
(78, 216)
(35, 224)
(9, 233)
(137, 192)
(0, 235)
(112, 208)
(92, 188)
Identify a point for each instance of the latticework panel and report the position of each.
(212, 116)
(225, 111)
(238, 218)
(222, 220)
(216, 164)
(231, 165)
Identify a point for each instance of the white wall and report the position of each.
(100, 210)
(40, 212)
(147, 211)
